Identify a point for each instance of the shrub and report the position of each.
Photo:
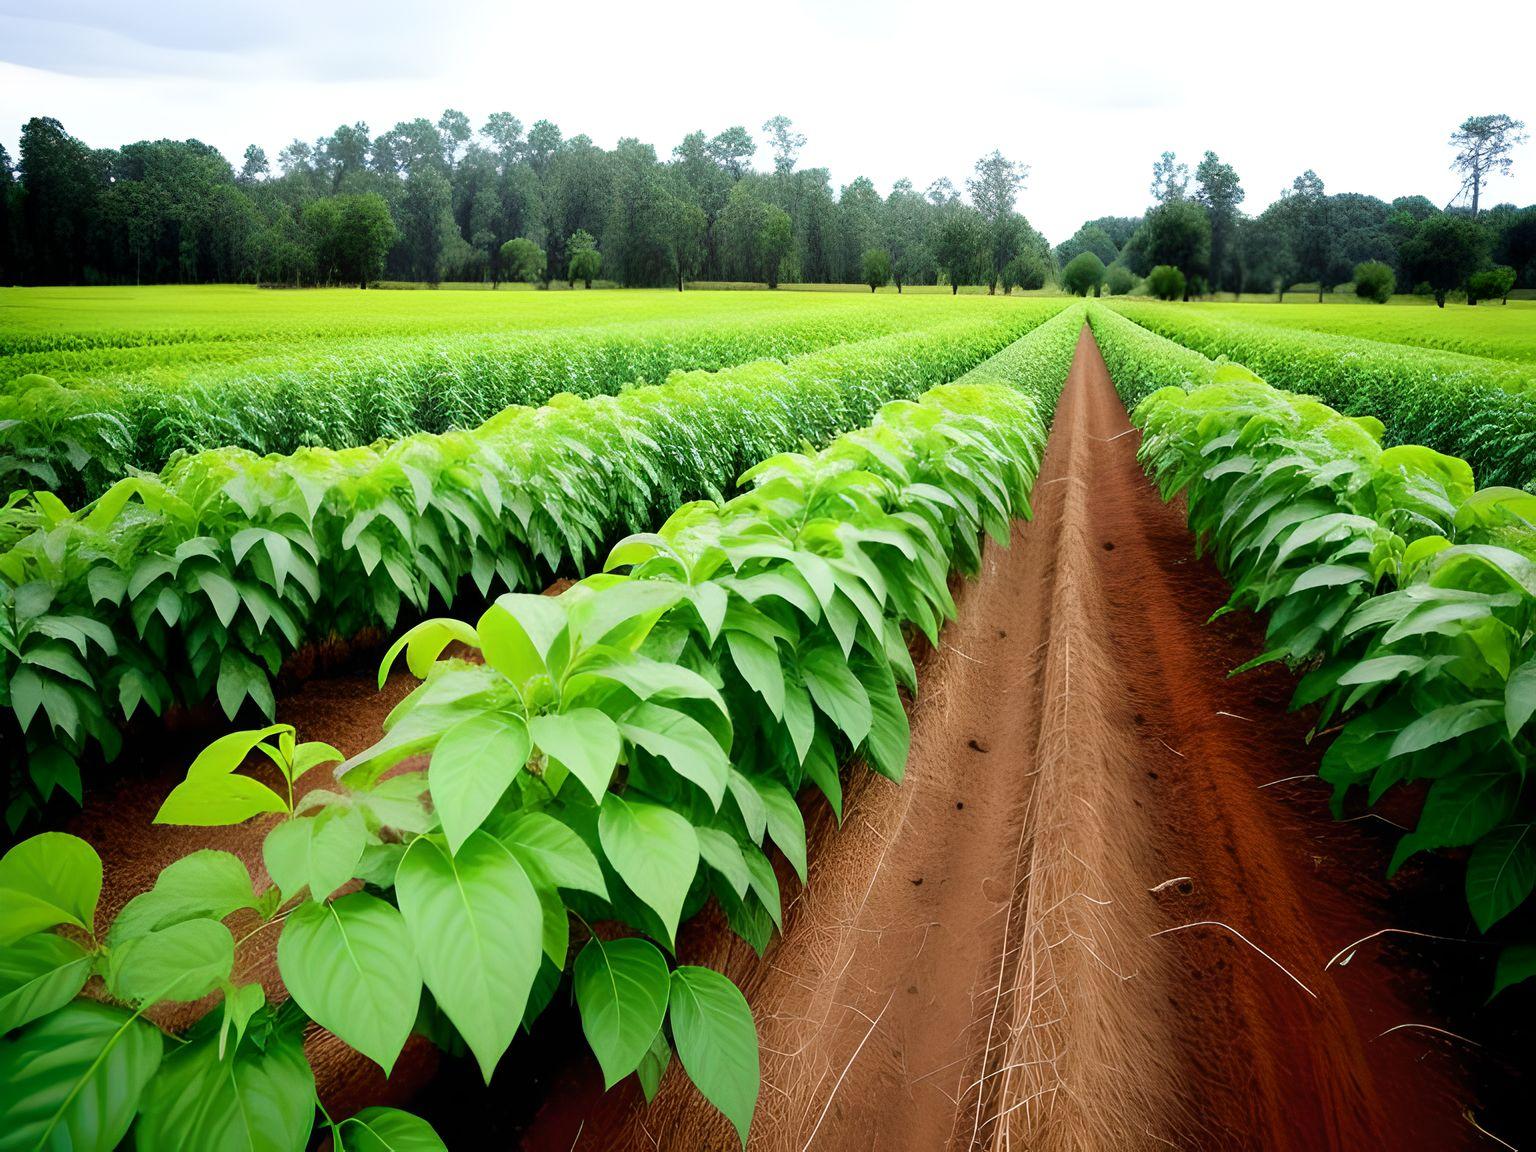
(1166, 282)
(877, 268)
(1374, 281)
(1118, 279)
(1083, 272)
(1027, 270)
(523, 260)
(1491, 282)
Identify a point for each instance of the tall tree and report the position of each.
(1483, 145)
(994, 187)
(1170, 179)
(1220, 192)
(1311, 234)
(785, 143)
(964, 248)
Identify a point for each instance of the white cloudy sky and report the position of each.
(1087, 94)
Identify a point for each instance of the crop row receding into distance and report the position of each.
(625, 751)
(1404, 593)
(196, 584)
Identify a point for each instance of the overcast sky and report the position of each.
(1086, 94)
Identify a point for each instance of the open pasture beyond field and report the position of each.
(641, 719)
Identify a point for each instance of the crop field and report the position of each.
(635, 719)
(1501, 331)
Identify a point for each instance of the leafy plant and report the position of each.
(618, 753)
(196, 584)
(1406, 595)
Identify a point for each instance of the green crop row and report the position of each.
(1406, 594)
(1479, 409)
(196, 584)
(76, 439)
(1503, 332)
(621, 752)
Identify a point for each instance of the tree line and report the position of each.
(1196, 225)
(441, 200)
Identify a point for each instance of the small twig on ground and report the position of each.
(1288, 779)
(1171, 748)
(1472, 1120)
(1166, 884)
(875, 1023)
(1235, 716)
(1350, 948)
(1245, 940)
(1429, 1028)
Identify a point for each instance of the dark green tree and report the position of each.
(1083, 274)
(877, 268)
(1444, 251)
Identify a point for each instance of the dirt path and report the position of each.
(974, 963)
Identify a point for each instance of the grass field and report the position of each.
(1506, 332)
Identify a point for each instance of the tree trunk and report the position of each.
(954, 289)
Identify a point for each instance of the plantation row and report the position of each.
(1480, 409)
(1501, 333)
(197, 584)
(76, 438)
(1406, 593)
(626, 751)
(236, 321)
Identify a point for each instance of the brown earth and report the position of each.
(976, 960)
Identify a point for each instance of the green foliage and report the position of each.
(1083, 274)
(522, 259)
(196, 584)
(964, 248)
(711, 748)
(1490, 284)
(1443, 251)
(1374, 281)
(877, 268)
(1166, 282)
(1479, 409)
(1407, 594)
(585, 260)
(1027, 270)
(1119, 280)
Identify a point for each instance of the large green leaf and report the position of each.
(182, 962)
(216, 801)
(74, 1078)
(1460, 809)
(351, 966)
(1501, 873)
(516, 633)
(621, 988)
(477, 925)
(717, 1042)
(552, 853)
(683, 743)
(584, 741)
(758, 662)
(785, 823)
(1520, 697)
(654, 851)
(320, 852)
(837, 691)
(1517, 963)
(38, 974)
(472, 767)
(389, 1130)
(252, 1100)
(206, 883)
(49, 879)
